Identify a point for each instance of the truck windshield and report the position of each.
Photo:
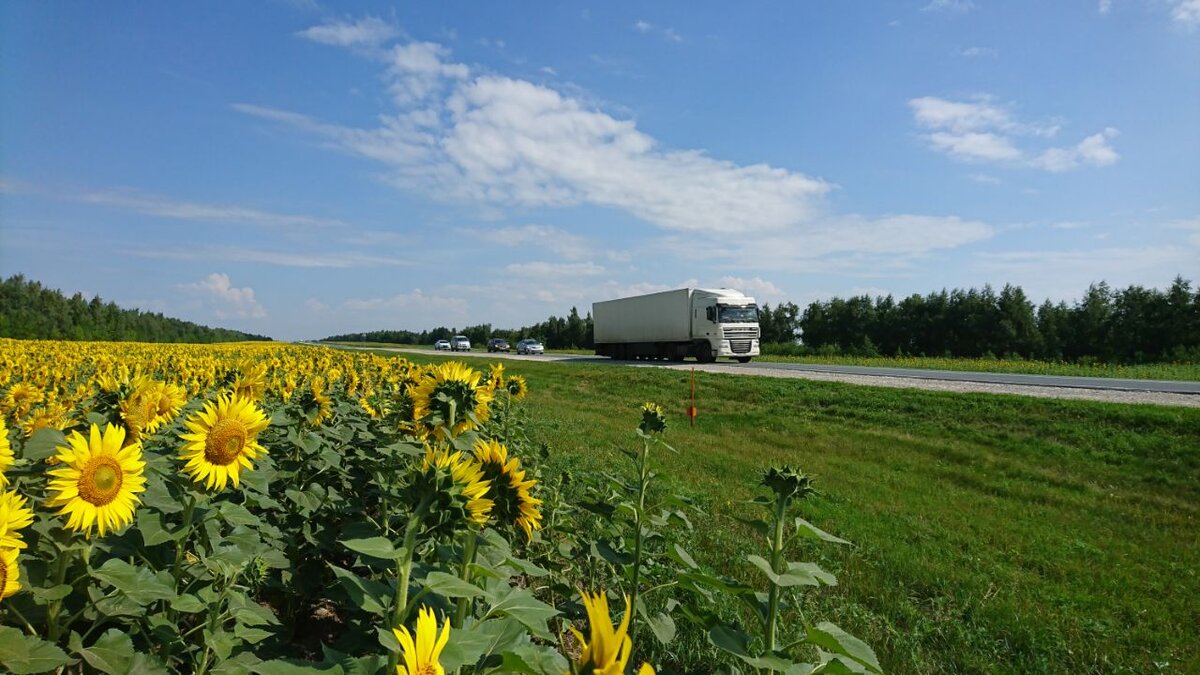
(738, 314)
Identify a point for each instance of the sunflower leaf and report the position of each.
(451, 586)
(110, 653)
(375, 547)
(138, 583)
(22, 653)
(522, 606)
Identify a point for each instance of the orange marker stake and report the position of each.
(691, 410)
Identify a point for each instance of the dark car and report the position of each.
(498, 345)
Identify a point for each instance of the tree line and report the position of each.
(29, 310)
(1131, 325)
(570, 332)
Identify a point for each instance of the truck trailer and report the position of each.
(705, 323)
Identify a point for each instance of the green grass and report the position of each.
(992, 533)
(1145, 371)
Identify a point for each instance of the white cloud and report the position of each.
(167, 207)
(1091, 151)
(555, 239)
(366, 32)
(757, 287)
(1104, 6)
(539, 270)
(975, 52)
(1186, 13)
(979, 130)
(1063, 274)
(501, 141)
(973, 145)
(643, 26)
(985, 178)
(959, 6)
(418, 69)
(413, 301)
(329, 259)
(315, 305)
(226, 300)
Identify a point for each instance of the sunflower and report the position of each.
(6, 453)
(450, 399)
(315, 403)
(421, 653)
(171, 399)
(495, 376)
(510, 490)
(468, 488)
(9, 573)
(14, 517)
(49, 416)
(609, 649)
(517, 388)
(139, 408)
(99, 480)
(653, 419)
(252, 383)
(223, 440)
(19, 399)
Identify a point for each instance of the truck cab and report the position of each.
(728, 321)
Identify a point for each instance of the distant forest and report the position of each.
(29, 310)
(1133, 325)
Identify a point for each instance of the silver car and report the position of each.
(441, 346)
(460, 343)
(530, 347)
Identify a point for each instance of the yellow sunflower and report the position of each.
(9, 573)
(609, 649)
(6, 453)
(139, 408)
(510, 489)
(496, 376)
(50, 416)
(654, 420)
(19, 399)
(422, 652)
(450, 400)
(252, 383)
(14, 517)
(468, 479)
(222, 441)
(517, 388)
(99, 480)
(316, 405)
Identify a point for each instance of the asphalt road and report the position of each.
(866, 372)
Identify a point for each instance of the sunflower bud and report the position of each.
(653, 419)
(788, 483)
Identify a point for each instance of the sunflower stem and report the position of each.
(781, 504)
(638, 518)
(404, 571)
(52, 627)
(469, 547)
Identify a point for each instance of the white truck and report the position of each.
(705, 323)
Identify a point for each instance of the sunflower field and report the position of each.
(262, 508)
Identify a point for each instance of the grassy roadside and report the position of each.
(1146, 371)
(992, 533)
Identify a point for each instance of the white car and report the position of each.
(530, 347)
(441, 346)
(460, 343)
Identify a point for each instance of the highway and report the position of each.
(1163, 392)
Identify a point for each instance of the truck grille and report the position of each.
(747, 333)
(739, 346)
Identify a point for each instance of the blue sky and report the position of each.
(304, 168)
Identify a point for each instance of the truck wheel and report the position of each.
(743, 359)
(704, 354)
